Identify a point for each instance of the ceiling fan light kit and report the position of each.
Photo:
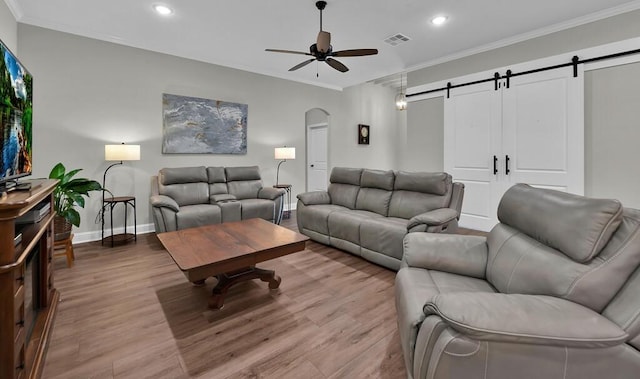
(322, 50)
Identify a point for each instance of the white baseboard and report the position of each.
(97, 234)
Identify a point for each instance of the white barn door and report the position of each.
(543, 130)
(472, 137)
(531, 132)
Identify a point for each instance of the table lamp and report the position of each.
(283, 153)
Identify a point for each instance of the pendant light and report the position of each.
(401, 99)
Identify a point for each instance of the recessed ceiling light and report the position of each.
(439, 20)
(163, 9)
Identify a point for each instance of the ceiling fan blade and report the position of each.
(301, 64)
(337, 65)
(287, 51)
(354, 53)
(323, 42)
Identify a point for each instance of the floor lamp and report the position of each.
(119, 153)
(283, 153)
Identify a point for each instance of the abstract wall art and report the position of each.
(191, 125)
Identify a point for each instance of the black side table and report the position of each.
(287, 209)
(111, 202)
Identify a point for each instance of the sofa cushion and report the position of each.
(217, 180)
(192, 216)
(346, 225)
(258, 208)
(245, 189)
(186, 193)
(374, 200)
(186, 185)
(384, 235)
(577, 226)
(216, 175)
(436, 183)
(181, 175)
(343, 194)
(242, 173)
(346, 175)
(377, 179)
(375, 191)
(406, 204)
(316, 217)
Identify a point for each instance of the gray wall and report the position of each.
(371, 105)
(424, 142)
(612, 134)
(8, 28)
(89, 93)
(611, 104)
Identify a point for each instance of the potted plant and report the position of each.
(68, 194)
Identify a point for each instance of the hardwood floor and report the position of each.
(129, 312)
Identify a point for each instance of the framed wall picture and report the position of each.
(363, 134)
(192, 125)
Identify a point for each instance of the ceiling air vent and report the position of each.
(396, 39)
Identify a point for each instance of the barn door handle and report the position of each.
(495, 165)
(506, 165)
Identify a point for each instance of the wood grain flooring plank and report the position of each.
(129, 312)
(389, 364)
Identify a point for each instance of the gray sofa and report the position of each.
(187, 197)
(368, 212)
(552, 292)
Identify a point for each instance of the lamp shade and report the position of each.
(285, 153)
(122, 152)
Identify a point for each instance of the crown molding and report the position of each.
(628, 7)
(15, 9)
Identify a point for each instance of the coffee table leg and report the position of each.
(226, 281)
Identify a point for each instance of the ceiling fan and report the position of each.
(323, 51)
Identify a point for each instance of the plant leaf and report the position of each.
(57, 172)
(73, 217)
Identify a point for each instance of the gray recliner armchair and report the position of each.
(552, 292)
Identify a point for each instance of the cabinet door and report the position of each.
(543, 130)
(472, 137)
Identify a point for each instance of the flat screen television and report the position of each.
(16, 119)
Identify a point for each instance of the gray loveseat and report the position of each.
(187, 197)
(368, 212)
(552, 292)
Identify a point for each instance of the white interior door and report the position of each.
(472, 137)
(317, 157)
(543, 130)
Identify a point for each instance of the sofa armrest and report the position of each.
(221, 197)
(436, 217)
(463, 255)
(270, 193)
(159, 201)
(527, 319)
(315, 198)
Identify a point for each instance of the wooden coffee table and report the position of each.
(230, 251)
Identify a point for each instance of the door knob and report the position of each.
(312, 165)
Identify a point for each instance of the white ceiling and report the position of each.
(235, 33)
